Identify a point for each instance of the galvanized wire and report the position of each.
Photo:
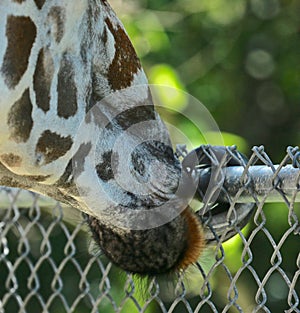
(48, 262)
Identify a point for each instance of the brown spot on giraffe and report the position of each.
(19, 118)
(73, 169)
(66, 89)
(125, 63)
(42, 78)
(108, 167)
(39, 3)
(19, 1)
(57, 16)
(12, 182)
(11, 160)
(52, 146)
(20, 33)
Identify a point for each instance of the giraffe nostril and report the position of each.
(138, 164)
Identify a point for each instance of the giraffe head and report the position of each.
(58, 61)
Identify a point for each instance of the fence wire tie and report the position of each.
(296, 160)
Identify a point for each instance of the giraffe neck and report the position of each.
(57, 61)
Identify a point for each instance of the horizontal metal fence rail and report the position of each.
(48, 262)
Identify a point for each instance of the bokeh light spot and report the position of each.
(265, 9)
(259, 64)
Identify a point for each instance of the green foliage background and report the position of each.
(239, 58)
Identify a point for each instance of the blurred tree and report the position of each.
(239, 58)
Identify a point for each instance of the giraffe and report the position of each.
(71, 86)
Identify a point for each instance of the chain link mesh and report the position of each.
(48, 262)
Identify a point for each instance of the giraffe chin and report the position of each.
(166, 249)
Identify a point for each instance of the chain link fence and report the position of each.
(48, 262)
